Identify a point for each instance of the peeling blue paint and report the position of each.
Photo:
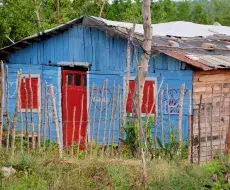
(107, 57)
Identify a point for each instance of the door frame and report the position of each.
(71, 65)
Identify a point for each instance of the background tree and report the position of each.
(18, 17)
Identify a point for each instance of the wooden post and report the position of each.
(168, 106)
(111, 117)
(211, 128)
(162, 121)
(120, 124)
(49, 127)
(146, 105)
(199, 129)
(155, 132)
(73, 133)
(58, 141)
(100, 112)
(26, 114)
(7, 108)
(146, 117)
(114, 117)
(21, 123)
(152, 107)
(87, 135)
(80, 127)
(206, 134)
(39, 118)
(228, 131)
(105, 119)
(128, 63)
(66, 106)
(16, 113)
(189, 125)
(2, 87)
(94, 117)
(45, 116)
(220, 111)
(31, 111)
(180, 119)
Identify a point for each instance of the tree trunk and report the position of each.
(142, 69)
(37, 8)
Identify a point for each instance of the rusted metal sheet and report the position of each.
(182, 56)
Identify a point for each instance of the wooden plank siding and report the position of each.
(203, 83)
(107, 57)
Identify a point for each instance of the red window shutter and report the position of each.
(34, 85)
(147, 100)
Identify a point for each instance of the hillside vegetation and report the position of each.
(19, 18)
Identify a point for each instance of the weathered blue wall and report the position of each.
(107, 57)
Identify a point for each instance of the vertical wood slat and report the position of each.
(206, 134)
(16, 113)
(180, 119)
(128, 63)
(45, 116)
(199, 130)
(39, 117)
(26, 114)
(161, 116)
(114, 118)
(2, 88)
(80, 126)
(146, 117)
(211, 130)
(7, 108)
(21, 124)
(220, 112)
(168, 106)
(105, 119)
(73, 133)
(111, 117)
(189, 125)
(54, 109)
(93, 123)
(228, 132)
(100, 113)
(66, 105)
(31, 110)
(88, 131)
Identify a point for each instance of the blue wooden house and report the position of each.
(77, 58)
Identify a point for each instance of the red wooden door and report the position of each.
(74, 87)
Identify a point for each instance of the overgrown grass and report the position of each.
(39, 172)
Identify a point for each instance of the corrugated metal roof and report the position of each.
(178, 28)
(205, 62)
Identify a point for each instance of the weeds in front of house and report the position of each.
(167, 169)
(37, 172)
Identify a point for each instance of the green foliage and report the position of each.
(131, 140)
(171, 150)
(18, 19)
(219, 168)
(37, 172)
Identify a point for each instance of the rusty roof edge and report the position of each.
(179, 56)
